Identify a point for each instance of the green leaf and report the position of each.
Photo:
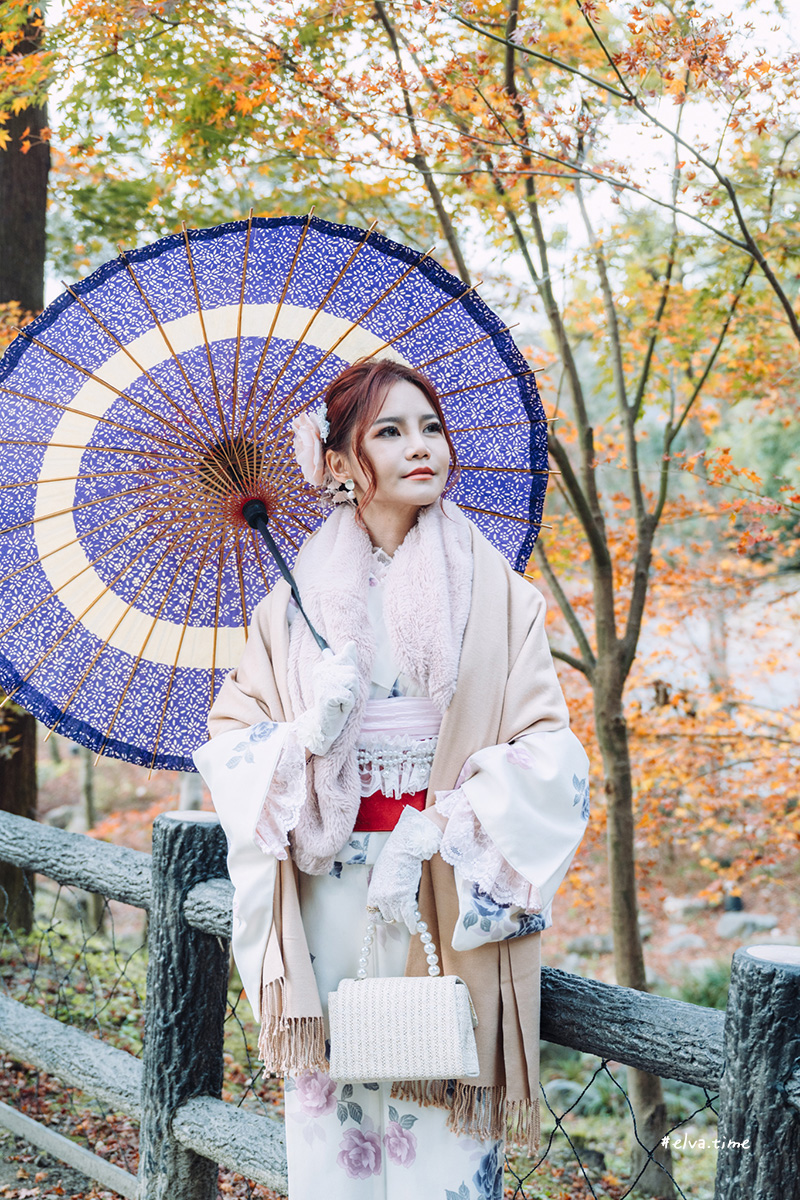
(355, 1110)
(393, 1113)
(347, 1091)
(341, 1112)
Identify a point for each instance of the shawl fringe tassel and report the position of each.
(480, 1112)
(289, 1043)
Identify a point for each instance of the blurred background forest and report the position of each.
(620, 180)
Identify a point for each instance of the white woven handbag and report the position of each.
(411, 1027)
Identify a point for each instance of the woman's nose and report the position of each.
(416, 447)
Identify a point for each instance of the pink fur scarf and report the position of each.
(427, 598)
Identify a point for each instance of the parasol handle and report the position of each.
(257, 517)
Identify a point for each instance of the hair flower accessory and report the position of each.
(310, 429)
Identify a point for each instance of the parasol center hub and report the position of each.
(230, 467)
(254, 511)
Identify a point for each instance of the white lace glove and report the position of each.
(336, 684)
(395, 877)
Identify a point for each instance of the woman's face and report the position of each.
(407, 449)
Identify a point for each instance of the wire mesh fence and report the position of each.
(84, 961)
(589, 1133)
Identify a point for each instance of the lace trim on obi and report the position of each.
(467, 846)
(395, 765)
(285, 797)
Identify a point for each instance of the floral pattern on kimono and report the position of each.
(367, 1144)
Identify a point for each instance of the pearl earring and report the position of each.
(341, 493)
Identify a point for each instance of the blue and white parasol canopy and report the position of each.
(152, 399)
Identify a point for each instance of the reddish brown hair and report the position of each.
(355, 398)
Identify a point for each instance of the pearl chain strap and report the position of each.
(425, 937)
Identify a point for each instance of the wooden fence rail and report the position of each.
(186, 1129)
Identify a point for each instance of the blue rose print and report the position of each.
(255, 734)
(581, 796)
(485, 905)
(262, 731)
(528, 923)
(483, 909)
(359, 847)
(488, 1178)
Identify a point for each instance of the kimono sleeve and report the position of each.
(519, 809)
(254, 764)
(514, 824)
(255, 770)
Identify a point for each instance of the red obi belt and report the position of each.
(379, 813)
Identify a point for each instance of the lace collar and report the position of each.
(381, 561)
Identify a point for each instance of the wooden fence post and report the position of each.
(187, 977)
(759, 1124)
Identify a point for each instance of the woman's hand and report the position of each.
(395, 879)
(336, 685)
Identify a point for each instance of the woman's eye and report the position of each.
(434, 427)
(387, 429)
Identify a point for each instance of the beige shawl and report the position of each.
(506, 687)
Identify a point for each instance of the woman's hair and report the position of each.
(355, 398)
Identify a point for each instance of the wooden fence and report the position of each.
(750, 1054)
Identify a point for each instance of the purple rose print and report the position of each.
(518, 756)
(360, 1155)
(400, 1142)
(316, 1093)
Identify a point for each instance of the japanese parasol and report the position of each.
(148, 403)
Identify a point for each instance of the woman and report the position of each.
(427, 761)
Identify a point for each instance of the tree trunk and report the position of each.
(18, 796)
(23, 205)
(23, 202)
(645, 1091)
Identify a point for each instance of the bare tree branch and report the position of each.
(644, 374)
(570, 659)
(418, 159)
(570, 616)
(631, 98)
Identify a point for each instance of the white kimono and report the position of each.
(515, 819)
